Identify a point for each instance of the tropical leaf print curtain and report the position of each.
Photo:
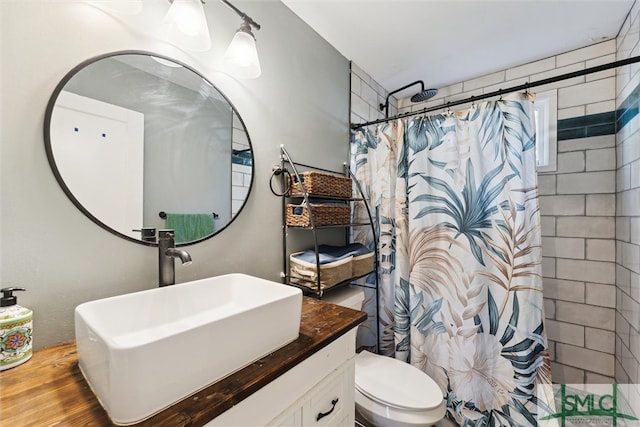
(460, 253)
(377, 154)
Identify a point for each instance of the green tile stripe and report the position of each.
(607, 123)
(587, 126)
(628, 109)
(244, 158)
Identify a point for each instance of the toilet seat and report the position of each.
(372, 414)
(396, 384)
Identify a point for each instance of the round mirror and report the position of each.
(140, 142)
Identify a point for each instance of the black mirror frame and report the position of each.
(50, 157)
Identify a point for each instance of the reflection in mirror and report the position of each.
(140, 141)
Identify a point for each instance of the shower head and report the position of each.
(423, 95)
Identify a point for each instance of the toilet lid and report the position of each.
(395, 383)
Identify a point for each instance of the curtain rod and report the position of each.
(524, 86)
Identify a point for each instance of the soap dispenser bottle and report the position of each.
(16, 325)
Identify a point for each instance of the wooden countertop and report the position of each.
(49, 389)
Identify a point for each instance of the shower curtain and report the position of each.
(460, 287)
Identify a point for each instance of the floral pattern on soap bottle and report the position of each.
(15, 340)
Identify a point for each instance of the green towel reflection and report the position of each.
(190, 227)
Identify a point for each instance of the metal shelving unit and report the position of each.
(289, 166)
(289, 169)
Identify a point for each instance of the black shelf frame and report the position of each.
(285, 162)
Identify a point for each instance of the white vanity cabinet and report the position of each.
(329, 403)
(317, 392)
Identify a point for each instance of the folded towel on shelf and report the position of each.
(310, 256)
(190, 227)
(352, 249)
(328, 254)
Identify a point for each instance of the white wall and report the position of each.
(63, 258)
(366, 97)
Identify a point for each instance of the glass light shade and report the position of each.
(241, 58)
(187, 25)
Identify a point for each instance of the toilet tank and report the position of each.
(349, 296)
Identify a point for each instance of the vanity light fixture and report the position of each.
(241, 58)
(188, 28)
(187, 25)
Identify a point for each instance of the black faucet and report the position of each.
(167, 254)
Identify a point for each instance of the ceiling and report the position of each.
(448, 41)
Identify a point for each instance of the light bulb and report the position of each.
(241, 58)
(187, 25)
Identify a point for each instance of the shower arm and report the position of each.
(385, 107)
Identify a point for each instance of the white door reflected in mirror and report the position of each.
(113, 137)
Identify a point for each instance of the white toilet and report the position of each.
(389, 392)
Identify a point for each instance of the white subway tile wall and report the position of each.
(241, 181)
(366, 97)
(627, 340)
(591, 257)
(240, 173)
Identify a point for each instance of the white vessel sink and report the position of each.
(144, 351)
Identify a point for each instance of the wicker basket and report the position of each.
(298, 215)
(330, 274)
(322, 184)
(362, 264)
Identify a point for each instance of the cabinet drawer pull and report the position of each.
(321, 415)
